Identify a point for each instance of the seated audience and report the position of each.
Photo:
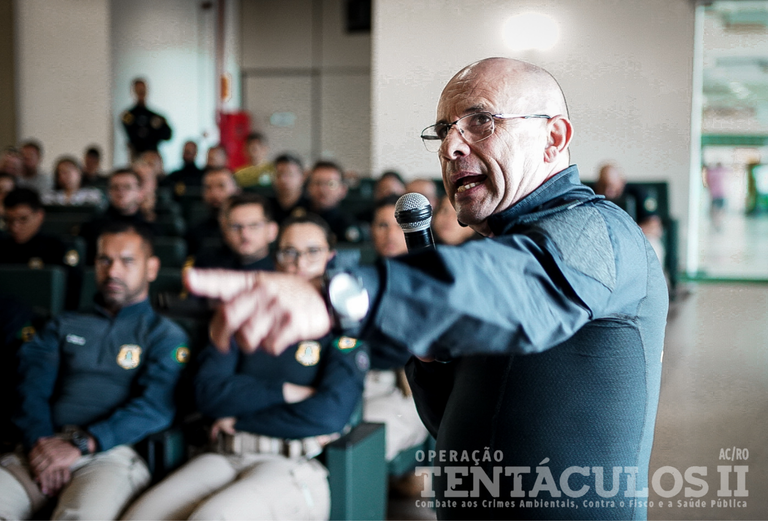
(248, 229)
(218, 186)
(425, 187)
(216, 158)
(7, 185)
(389, 183)
(271, 416)
(326, 191)
(188, 175)
(32, 175)
(11, 163)
(289, 199)
(446, 227)
(91, 385)
(26, 244)
(125, 196)
(147, 172)
(92, 174)
(388, 398)
(68, 189)
(643, 209)
(260, 170)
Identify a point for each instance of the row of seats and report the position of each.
(358, 471)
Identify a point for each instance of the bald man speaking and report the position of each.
(539, 348)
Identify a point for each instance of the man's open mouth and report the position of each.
(471, 181)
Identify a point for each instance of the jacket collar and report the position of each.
(561, 189)
(140, 308)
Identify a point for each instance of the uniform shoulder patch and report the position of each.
(181, 354)
(581, 236)
(27, 333)
(308, 353)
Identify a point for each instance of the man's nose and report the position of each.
(454, 145)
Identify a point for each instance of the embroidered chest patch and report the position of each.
(129, 356)
(308, 353)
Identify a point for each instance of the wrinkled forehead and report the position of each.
(495, 86)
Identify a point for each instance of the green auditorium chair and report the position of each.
(43, 289)
(172, 251)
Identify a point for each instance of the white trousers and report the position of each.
(102, 485)
(252, 486)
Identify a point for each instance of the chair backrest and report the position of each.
(170, 225)
(43, 288)
(172, 251)
(65, 224)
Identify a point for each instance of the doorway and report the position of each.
(731, 213)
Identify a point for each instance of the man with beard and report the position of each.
(91, 385)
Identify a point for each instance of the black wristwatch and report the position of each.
(79, 438)
(347, 299)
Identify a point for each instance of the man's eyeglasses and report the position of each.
(288, 256)
(473, 128)
(251, 227)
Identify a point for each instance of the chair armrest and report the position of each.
(357, 473)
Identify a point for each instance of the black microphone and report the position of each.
(414, 215)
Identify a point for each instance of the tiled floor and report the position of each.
(736, 248)
(714, 398)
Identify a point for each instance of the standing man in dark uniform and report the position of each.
(91, 385)
(540, 347)
(145, 129)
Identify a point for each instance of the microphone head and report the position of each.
(413, 212)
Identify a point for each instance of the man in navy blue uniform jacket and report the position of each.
(539, 347)
(90, 386)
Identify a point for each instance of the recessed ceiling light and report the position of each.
(528, 31)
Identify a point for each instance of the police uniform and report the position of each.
(552, 333)
(266, 469)
(280, 214)
(224, 258)
(343, 225)
(210, 228)
(180, 180)
(113, 376)
(145, 129)
(45, 250)
(18, 324)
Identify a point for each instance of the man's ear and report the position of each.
(272, 229)
(153, 267)
(559, 135)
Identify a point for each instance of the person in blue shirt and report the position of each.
(271, 415)
(539, 346)
(91, 385)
